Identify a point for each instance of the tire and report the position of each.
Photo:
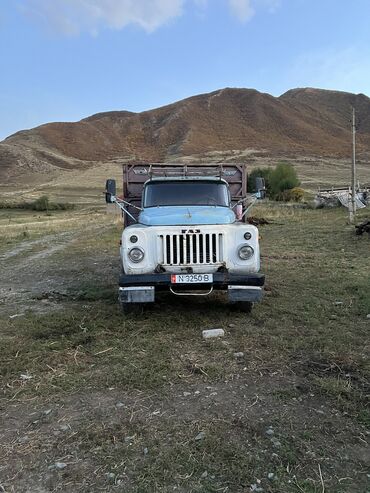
(244, 306)
(132, 308)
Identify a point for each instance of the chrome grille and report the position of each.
(192, 248)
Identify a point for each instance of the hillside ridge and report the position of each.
(300, 122)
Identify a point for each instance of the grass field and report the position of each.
(95, 401)
(85, 184)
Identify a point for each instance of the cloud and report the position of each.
(242, 9)
(71, 17)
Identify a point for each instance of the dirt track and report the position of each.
(32, 275)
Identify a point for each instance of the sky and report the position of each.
(63, 60)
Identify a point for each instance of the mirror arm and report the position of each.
(128, 204)
(116, 201)
(250, 206)
(241, 201)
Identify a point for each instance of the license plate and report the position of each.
(191, 278)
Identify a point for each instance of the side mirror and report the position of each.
(260, 187)
(110, 189)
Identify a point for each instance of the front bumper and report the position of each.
(142, 288)
(221, 281)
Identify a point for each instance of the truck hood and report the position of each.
(186, 215)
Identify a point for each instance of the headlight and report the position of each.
(136, 255)
(247, 235)
(133, 239)
(245, 252)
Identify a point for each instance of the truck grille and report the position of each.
(192, 248)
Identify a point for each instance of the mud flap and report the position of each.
(244, 293)
(137, 294)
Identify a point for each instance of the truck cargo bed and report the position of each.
(136, 174)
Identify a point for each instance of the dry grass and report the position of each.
(128, 396)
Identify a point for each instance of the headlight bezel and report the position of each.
(138, 259)
(247, 256)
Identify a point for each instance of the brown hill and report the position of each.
(301, 122)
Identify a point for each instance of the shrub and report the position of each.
(277, 180)
(283, 177)
(295, 194)
(41, 204)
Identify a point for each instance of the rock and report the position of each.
(197, 392)
(200, 436)
(186, 394)
(232, 326)
(275, 442)
(368, 316)
(110, 476)
(60, 465)
(146, 451)
(256, 487)
(269, 431)
(47, 412)
(204, 475)
(239, 355)
(25, 376)
(270, 476)
(119, 405)
(64, 428)
(208, 334)
(338, 303)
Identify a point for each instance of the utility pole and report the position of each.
(352, 207)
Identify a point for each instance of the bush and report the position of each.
(277, 181)
(295, 194)
(282, 178)
(41, 204)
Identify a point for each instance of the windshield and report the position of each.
(186, 193)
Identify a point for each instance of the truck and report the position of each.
(185, 231)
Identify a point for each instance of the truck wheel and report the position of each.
(132, 308)
(244, 306)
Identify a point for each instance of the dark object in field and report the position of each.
(257, 221)
(363, 228)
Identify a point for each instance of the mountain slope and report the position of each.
(303, 122)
